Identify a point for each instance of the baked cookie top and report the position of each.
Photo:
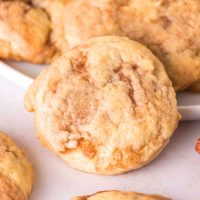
(106, 107)
(169, 28)
(16, 172)
(118, 195)
(24, 33)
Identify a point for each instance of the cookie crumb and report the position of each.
(197, 146)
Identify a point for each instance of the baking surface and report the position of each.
(175, 173)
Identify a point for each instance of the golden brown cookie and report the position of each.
(16, 172)
(24, 33)
(105, 107)
(118, 195)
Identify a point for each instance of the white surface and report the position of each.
(23, 73)
(175, 173)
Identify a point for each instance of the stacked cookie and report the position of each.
(170, 29)
(106, 105)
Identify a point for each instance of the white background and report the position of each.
(175, 173)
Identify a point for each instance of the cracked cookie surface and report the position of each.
(105, 107)
(169, 28)
(16, 172)
(119, 195)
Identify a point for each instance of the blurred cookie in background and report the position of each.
(55, 10)
(24, 33)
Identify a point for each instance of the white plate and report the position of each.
(189, 103)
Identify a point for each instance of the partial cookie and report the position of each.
(197, 146)
(169, 28)
(16, 172)
(84, 19)
(118, 195)
(24, 33)
(55, 10)
(105, 107)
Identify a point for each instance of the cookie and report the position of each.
(16, 172)
(118, 195)
(106, 107)
(55, 10)
(24, 33)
